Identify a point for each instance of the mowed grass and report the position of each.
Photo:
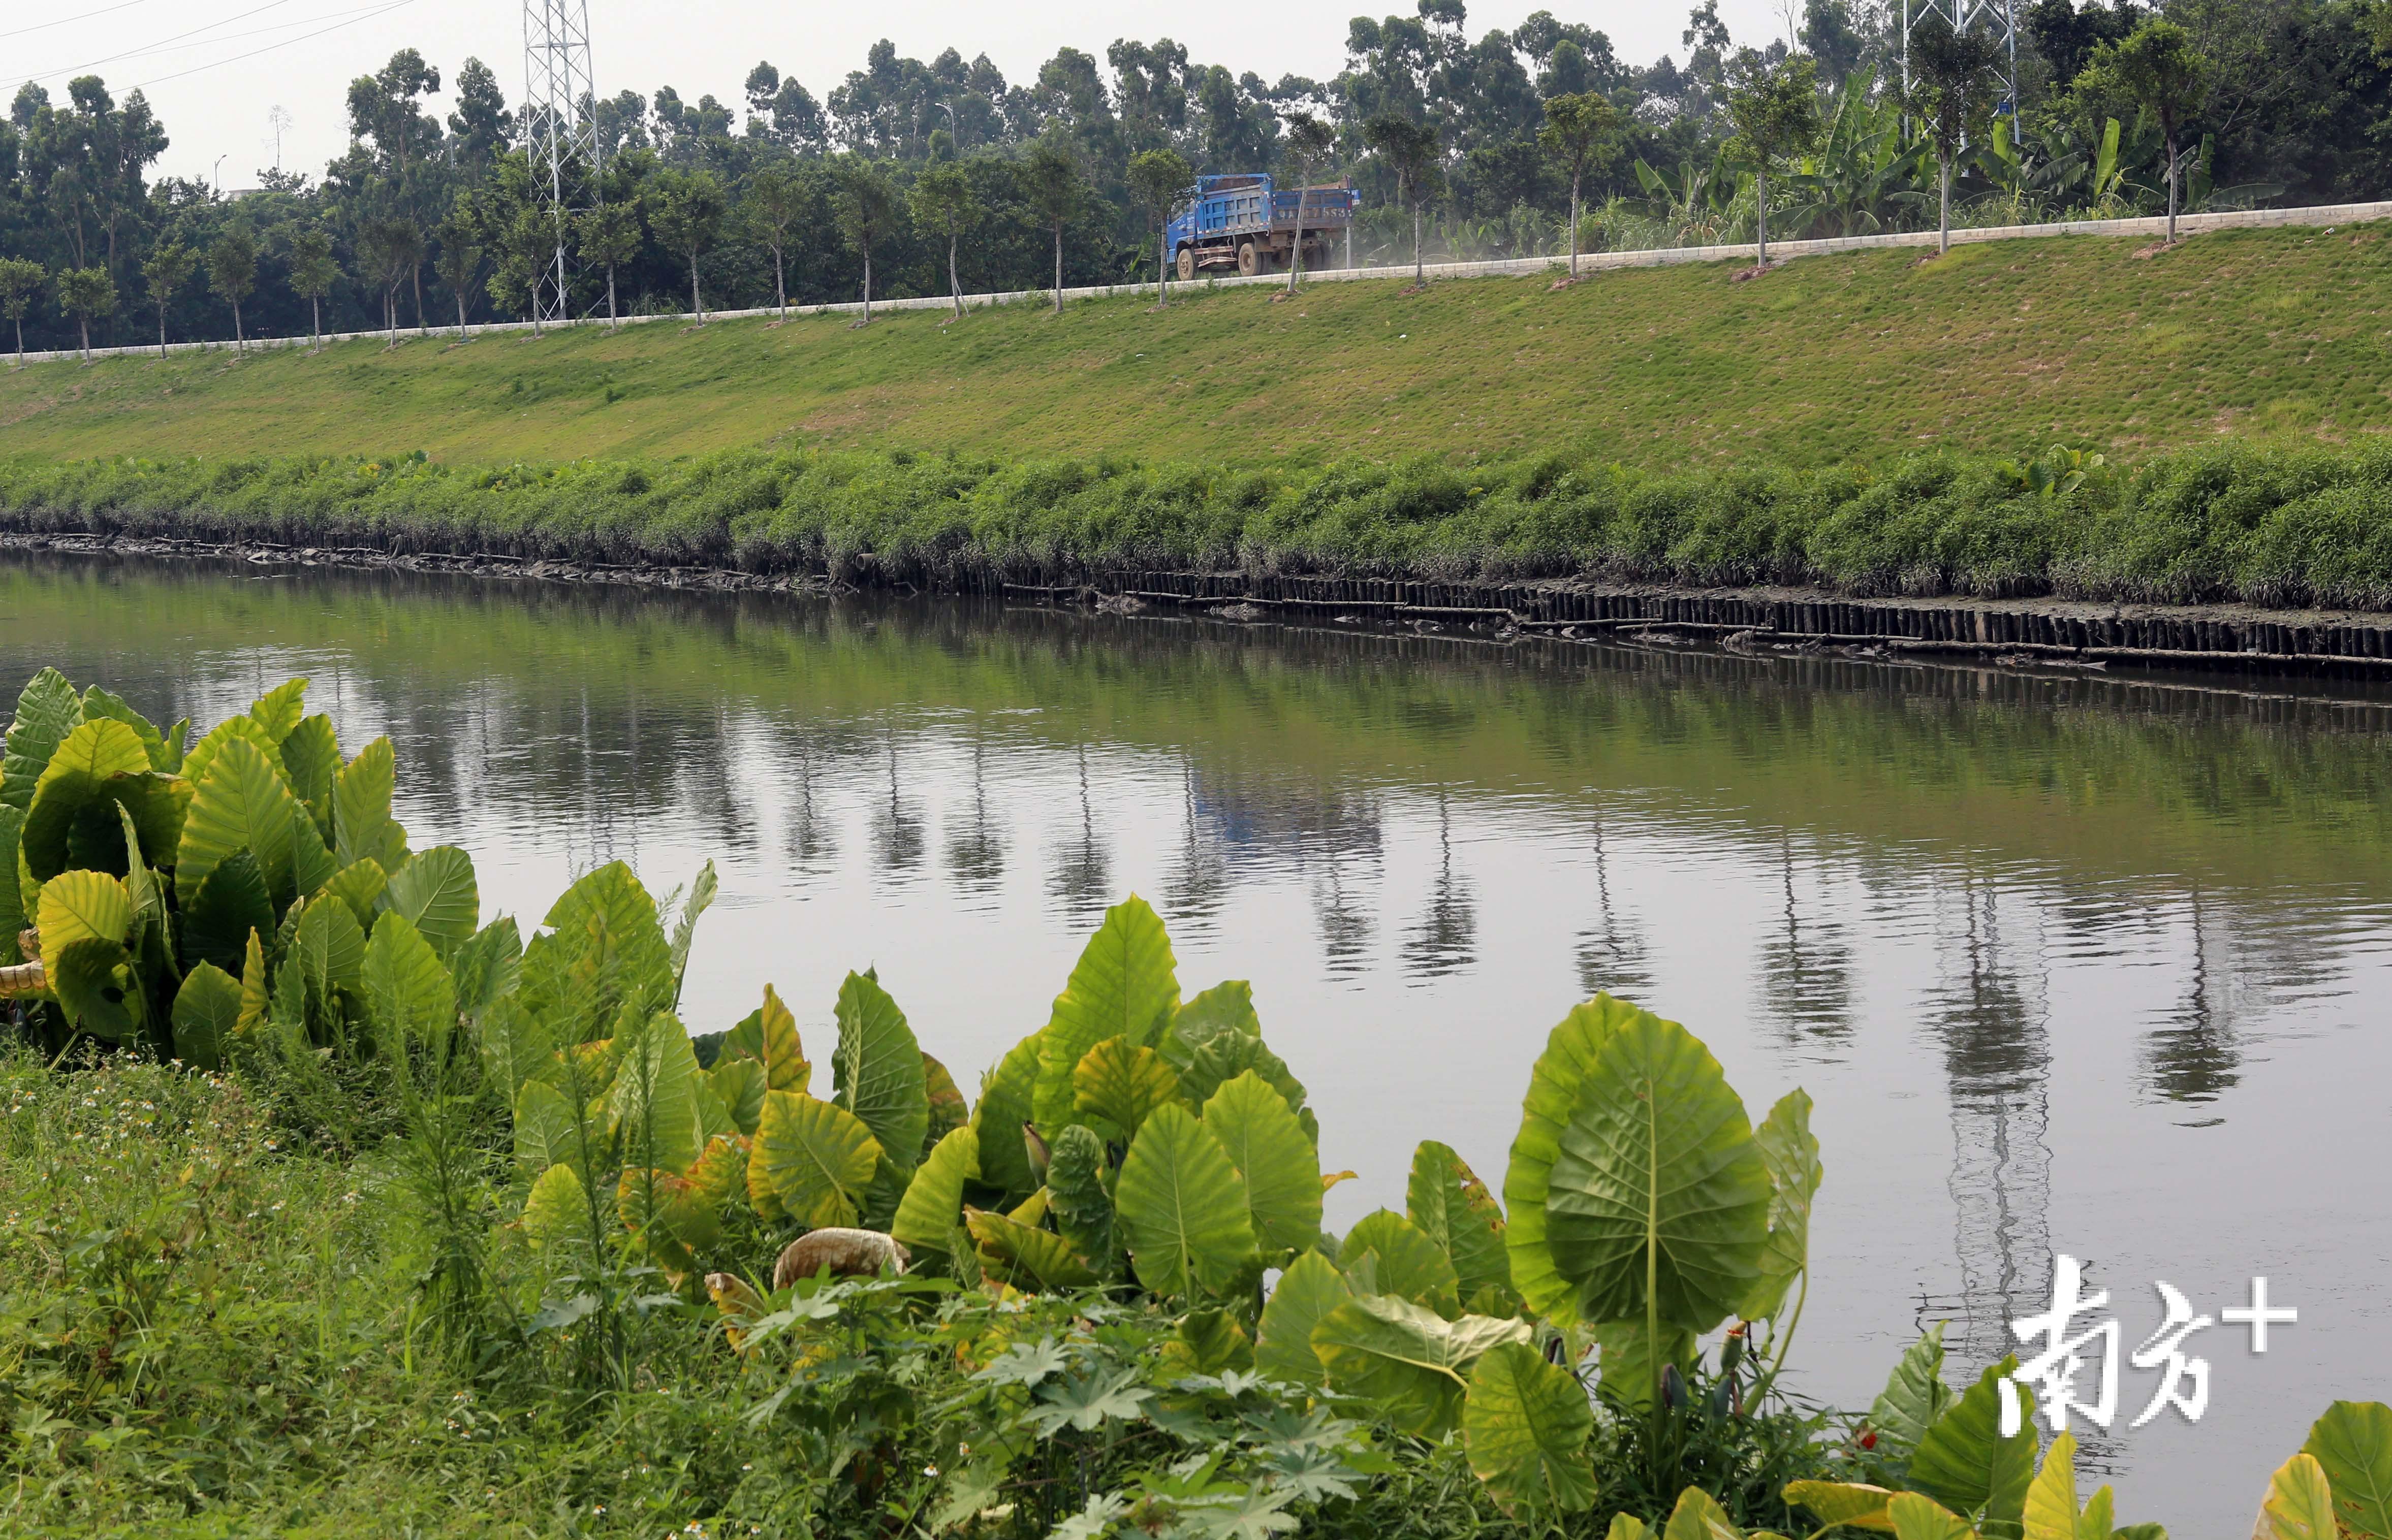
(2274, 336)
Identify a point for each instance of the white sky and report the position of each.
(315, 47)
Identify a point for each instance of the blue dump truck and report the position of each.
(1246, 224)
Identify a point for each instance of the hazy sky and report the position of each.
(312, 48)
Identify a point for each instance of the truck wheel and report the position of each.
(1187, 264)
(1250, 259)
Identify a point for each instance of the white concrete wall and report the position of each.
(2155, 225)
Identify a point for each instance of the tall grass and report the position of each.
(2273, 527)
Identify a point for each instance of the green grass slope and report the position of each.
(2270, 336)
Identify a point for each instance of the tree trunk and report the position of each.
(420, 330)
(611, 322)
(1296, 257)
(20, 341)
(460, 315)
(697, 301)
(1574, 175)
(390, 315)
(161, 329)
(84, 322)
(315, 321)
(1058, 267)
(1760, 208)
(780, 282)
(1163, 265)
(955, 284)
(2173, 169)
(1419, 274)
(867, 283)
(1944, 205)
(239, 344)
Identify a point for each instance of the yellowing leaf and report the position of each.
(1274, 1157)
(1853, 1505)
(82, 906)
(2299, 1505)
(2051, 1496)
(1124, 986)
(1117, 1083)
(813, 1162)
(558, 1209)
(926, 1215)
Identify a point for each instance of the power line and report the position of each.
(67, 20)
(235, 37)
(386, 10)
(153, 47)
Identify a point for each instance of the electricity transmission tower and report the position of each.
(560, 136)
(1998, 17)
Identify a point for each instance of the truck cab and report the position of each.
(1244, 223)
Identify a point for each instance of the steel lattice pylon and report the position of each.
(560, 137)
(1997, 17)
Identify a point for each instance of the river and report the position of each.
(2071, 963)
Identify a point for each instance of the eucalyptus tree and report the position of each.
(86, 293)
(1308, 143)
(686, 210)
(459, 235)
(2157, 67)
(776, 201)
(1161, 180)
(1411, 150)
(864, 205)
(942, 200)
(1581, 131)
(391, 248)
(1774, 110)
(609, 234)
(20, 279)
(1051, 176)
(1951, 93)
(232, 273)
(169, 267)
(313, 273)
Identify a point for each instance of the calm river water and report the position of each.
(2086, 965)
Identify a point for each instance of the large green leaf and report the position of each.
(1658, 1186)
(2050, 1512)
(1124, 986)
(1448, 1203)
(1625, 1352)
(1411, 1360)
(769, 1035)
(13, 917)
(99, 702)
(312, 868)
(1118, 1084)
(1271, 1153)
(241, 729)
(362, 825)
(659, 1104)
(1916, 1517)
(949, 1111)
(739, 1083)
(557, 1212)
(604, 949)
(435, 890)
(1526, 1424)
(1791, 1154)
(1410, 1264)
(1308, 1290)
(311, 757)
(1570, 1053)
(1700, 1517)
(239, 803)
(876, 1070)
(205, 1010)
(547, 1133)
(1182, 1207)
(278, 711)
(1006, 1094)
(73, 821)
(2299, 1505)
(94, 984)
(82, 906)
(47, 709)
(1226, 1007)
(813, 1162)
(358, 886)
(407, 988)
(2353, 1443)
(1965, 1463)
(1853, 1505)
(487, 967)
(1226, 1055)
(1077, 1194)
(1914, 1398)
(701, 898)
(1024, 1255)
(229, 905)
(329, 948)
(934, 1204)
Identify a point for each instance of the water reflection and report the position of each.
(2010, 931)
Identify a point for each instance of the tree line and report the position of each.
(913, 178)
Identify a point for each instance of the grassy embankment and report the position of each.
(1841, 423)
(2271, 336)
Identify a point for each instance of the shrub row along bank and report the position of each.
(2272, 527)
(631, 1258)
